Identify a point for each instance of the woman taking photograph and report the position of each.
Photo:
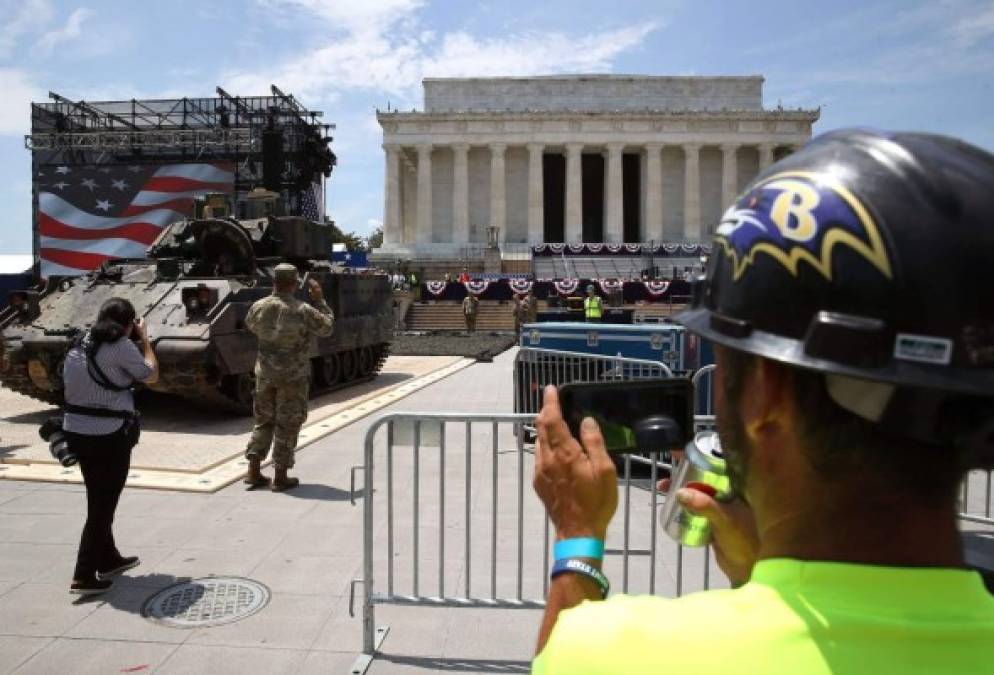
(100, 372)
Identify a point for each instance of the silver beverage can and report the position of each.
(702, 468)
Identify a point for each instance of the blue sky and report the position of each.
(890, 64)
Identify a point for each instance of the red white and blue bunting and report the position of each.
(476, 287)
(685, 250)
(566, 286)
(436, 287)
(656, 288)
(610, 285)
(520, 285)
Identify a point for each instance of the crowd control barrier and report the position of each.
(450, 519)
(535, 368)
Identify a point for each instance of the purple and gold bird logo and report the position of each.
(799, 216)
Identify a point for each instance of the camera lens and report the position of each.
(59, 446)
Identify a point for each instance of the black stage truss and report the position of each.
(273, 141)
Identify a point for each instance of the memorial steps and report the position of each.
(448, 316)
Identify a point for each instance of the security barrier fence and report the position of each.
(450, 518)
(536, 368)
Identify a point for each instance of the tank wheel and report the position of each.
(240, 389)
(366, 361)
(350, 365)
(331, 369)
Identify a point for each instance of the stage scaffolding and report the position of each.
(273, 141)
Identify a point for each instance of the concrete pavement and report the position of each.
(306, 546)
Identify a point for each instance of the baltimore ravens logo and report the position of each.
(795, 216)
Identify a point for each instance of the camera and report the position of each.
(58, 442)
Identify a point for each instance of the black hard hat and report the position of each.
(864, 255)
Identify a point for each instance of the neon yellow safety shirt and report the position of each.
(791, 618)
(592, 306)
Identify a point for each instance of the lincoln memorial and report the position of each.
(577, 158)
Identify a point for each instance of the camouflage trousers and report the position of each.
(280, 410)
(470, 322)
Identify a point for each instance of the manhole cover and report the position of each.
(206, 602)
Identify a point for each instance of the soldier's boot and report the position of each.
(284, 482)
(255, 478)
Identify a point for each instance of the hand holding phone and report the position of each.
(575, 479)
(651, 415)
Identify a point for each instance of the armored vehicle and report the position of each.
(193, 290)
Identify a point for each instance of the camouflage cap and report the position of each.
(285, 272)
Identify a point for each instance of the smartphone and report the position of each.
(650, 415)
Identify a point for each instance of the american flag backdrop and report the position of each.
(89, 214)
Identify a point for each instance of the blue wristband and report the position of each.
(580, 567)
(581, 547)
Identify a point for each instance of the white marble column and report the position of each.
(424, 233)
(536, 194)
(574, 193)
(652, 228)
(615, 221)
(765, 156)
(498, 197)
(729, 174)
(460, 193)
(691, 192)
(393, 226)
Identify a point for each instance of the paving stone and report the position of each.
(96, 657)
(41, 610)
(16, 650)
(287, 622)
(220, 660)
(286, 572)
(21, 561)
(47, 502)
(203, 562)
(118, 617)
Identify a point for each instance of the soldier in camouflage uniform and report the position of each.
(285, 327)
(470, 307)
(531, 307)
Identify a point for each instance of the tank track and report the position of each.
(17, 380)
(212, 397)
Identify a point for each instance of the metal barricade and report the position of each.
(975, 498)
(474, 474)
(535, 368)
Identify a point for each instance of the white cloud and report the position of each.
(531, 53)
(20, 21)
(974, 27)
(379, 47)
(357, 17)
(72, 29)
(15, 104)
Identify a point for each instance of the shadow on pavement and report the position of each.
(325, 493)
(121, 596)
(456, 665)
(36, 417)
